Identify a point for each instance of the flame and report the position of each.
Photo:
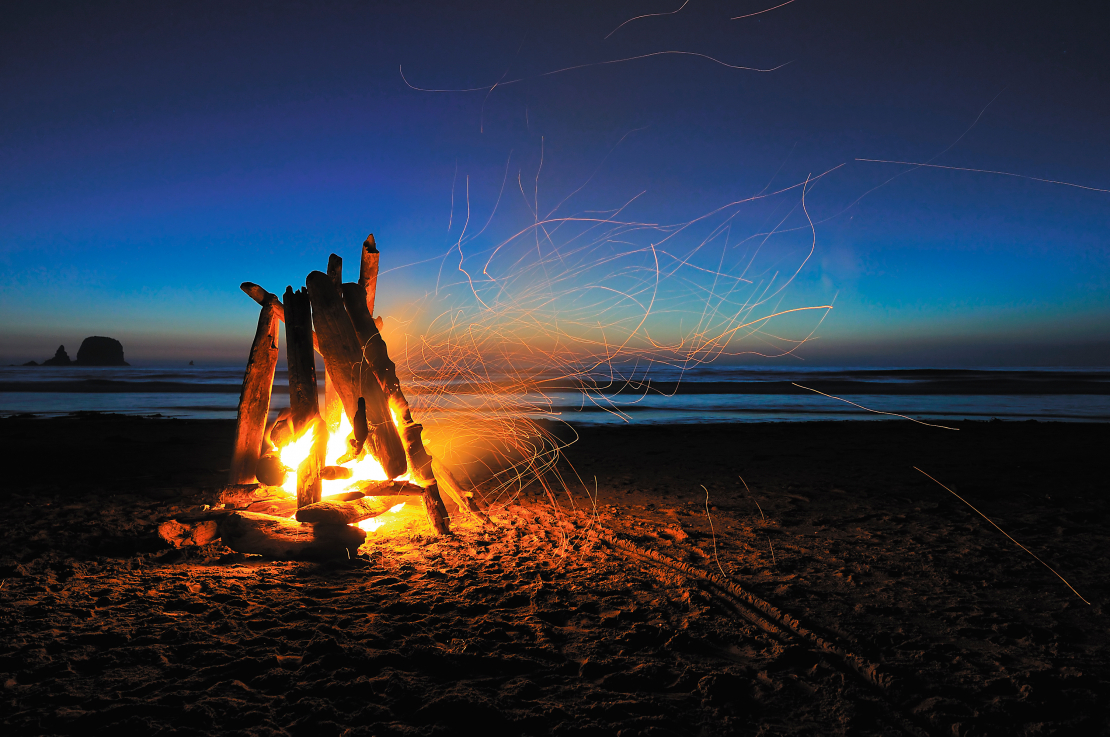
(292, 455)
(366, 468)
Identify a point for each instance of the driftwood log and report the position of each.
(339, 512)
(368, 272)
(182, 534)
(260, 295)
(343, 358)
(304, 405)
(333, 408)
(284, 539)
(272, 500)
(310, 474)
(285, 506)
(464, 500)
(254, 401)
(429, 496)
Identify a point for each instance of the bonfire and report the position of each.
(312, 483)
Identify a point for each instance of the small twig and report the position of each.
(1015, 542)
(713, 532)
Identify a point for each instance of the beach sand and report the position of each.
(844, 593)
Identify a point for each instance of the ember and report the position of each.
(313, 483)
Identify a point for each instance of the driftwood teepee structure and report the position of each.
(335, 319)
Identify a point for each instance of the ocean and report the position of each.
(705, 394)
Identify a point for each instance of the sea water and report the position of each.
(931, 394)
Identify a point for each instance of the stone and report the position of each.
(100, 351)
(61, 358)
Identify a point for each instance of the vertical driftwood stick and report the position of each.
(333, 408)
(309, 474)
(260, 295)
(353, 379)
(254, 401)
(368, 272)
(304, 405)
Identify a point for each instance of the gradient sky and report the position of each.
(155, 155)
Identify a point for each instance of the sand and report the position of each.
(858, 597)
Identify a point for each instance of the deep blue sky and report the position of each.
(155, 155)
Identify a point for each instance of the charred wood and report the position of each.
(270, 470)
(332, 473)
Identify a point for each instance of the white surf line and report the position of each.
(1015, 542)
(876, 411)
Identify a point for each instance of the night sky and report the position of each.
(155, 155)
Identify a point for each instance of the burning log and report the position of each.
(333, 473)
(304, 405)
(254, 401)
(284, 539)
(333, 408)
(347, 512)
(310, 474)
(343, 357)
(376, 356)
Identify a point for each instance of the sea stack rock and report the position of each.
(61, 358)
(99, 351)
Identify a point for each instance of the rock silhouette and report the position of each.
(61, 358)
(100, 351)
